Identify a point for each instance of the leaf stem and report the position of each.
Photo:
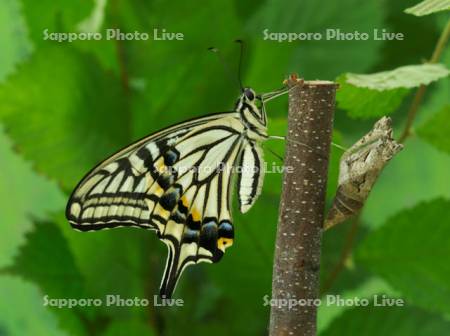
(418, 97)
(346, 251)
(440, 45)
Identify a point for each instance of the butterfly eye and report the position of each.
(249, 94)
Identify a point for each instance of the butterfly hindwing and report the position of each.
(199, 228)
(250, 175)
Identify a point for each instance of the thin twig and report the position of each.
(346, 252)
(441, 43)
(418, 97)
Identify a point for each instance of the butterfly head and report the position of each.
(252, 110)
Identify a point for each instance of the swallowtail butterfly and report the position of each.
(177, 182)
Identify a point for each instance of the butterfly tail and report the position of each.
(171, 275)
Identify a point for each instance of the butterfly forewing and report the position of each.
(110, 180)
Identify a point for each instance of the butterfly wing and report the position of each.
(250, 176)
(168, 182)
(199, 227)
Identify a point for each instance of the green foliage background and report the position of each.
(66, 106)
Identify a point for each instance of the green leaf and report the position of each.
(14, 45)
(389, 321)
(364, 289)
(366, 103)
(95, 20)
(106, 51)
(46, 260)
(428, 7)
(20, 201)
(22, 310)
(437, 129)
(411, 253)
(408, 76)
(379, 94)
(54, 15)
(418, 173)
(61, 16)
(64, 113)
(133, 260)
(334, 242)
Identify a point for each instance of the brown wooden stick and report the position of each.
(297, 251)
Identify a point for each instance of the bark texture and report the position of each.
(298, 242)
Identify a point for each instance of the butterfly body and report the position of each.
(178, 182)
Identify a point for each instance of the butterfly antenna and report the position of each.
(226, 68)
(241, 56)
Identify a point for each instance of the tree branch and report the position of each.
(298, 242)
